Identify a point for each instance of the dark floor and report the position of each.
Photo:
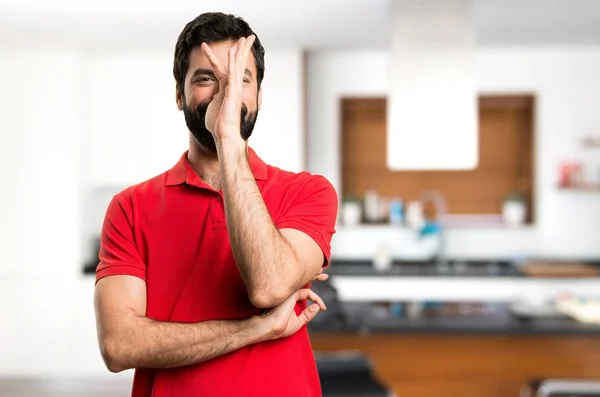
(65, 388)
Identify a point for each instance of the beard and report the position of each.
(195, 120)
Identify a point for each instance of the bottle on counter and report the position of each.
(414, 216)
(371, 206)
(396, 214)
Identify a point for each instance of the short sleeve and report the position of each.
(312, 209)
(118, 253)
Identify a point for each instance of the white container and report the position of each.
(414, 215)
(382, 258)
(371, 206)
(514, 212)
(351, 213)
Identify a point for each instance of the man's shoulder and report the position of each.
(299, 180)
(146, 188)
(304, 186)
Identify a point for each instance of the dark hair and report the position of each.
(213, 27)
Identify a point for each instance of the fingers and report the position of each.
(248, 47)
(321, 276)
(236, 62)
(308, 314)
(216, 65)
(232, 78)
(244, 51)
(240, 65)
(310, 295)
(243, 47)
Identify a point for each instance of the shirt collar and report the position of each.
(182, 172)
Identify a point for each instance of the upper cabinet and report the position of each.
(432, 108)
(505, 168)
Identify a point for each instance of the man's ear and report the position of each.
(259, 98)
(178, 97)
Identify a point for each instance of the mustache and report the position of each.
(202, 108)
(195, 118)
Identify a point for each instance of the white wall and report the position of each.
(280, 128)
(75, 128)
(135, 131)
(566, 83)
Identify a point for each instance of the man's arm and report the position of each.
(273, 263)
(128, 339)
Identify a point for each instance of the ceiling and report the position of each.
(311, 24)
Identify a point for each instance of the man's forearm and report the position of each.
(144, 343)
(266, 261)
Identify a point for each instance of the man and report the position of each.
(203, 273)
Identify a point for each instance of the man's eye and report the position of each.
(204, 79)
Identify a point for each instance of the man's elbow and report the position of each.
(268, 297)
(113, 355)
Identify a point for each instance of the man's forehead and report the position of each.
(221, 50)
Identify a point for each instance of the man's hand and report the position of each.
(223, 116)
(282, 320)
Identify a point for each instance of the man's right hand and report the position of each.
(282, 320)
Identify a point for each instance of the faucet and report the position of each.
(441, 209)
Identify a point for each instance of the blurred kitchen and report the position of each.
(462, 136)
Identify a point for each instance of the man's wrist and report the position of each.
(231, 143)
(259, 329)
(233, 154)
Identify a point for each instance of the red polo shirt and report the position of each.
(171, 232)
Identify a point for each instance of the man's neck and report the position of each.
(205, 164)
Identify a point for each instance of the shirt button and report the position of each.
(218, 198)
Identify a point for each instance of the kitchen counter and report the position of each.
(482, 280)
(360, 319)
(492, 268)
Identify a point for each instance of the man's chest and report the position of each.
(191, 272)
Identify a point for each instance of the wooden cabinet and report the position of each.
(468, 365)
(506, 142)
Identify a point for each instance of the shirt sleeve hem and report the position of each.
(120, 270)
(313, 233)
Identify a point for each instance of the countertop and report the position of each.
(492, 268)
(501, 321)
(489, 268)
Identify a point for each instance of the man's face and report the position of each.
(201, 85)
